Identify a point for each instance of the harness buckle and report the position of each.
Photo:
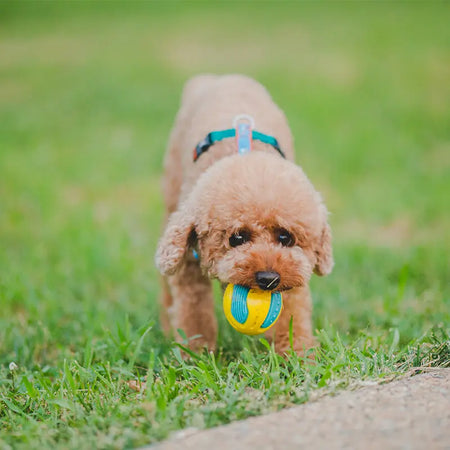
(243, 125)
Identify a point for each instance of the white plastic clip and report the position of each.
(244, 117)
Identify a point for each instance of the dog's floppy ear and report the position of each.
(174, 243)
(324, 253)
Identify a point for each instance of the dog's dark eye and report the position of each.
(285, 238)
(239, 238)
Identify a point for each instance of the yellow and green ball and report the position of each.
(251, 311)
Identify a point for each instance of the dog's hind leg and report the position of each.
(192, 308)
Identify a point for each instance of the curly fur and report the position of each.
(222, 193)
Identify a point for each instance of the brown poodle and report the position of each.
(253, 219)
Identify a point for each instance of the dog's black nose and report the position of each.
(267, 280)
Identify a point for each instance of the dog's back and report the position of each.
(210, 103)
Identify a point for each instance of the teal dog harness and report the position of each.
(244, 134)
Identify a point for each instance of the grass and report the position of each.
(87, 96)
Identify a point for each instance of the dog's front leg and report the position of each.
(296, 305)
(192, 308)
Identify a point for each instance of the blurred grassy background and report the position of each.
(88, 93)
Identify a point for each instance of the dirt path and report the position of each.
(411, 413)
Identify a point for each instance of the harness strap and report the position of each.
(216, 136)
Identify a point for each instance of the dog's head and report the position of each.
(255, 220)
